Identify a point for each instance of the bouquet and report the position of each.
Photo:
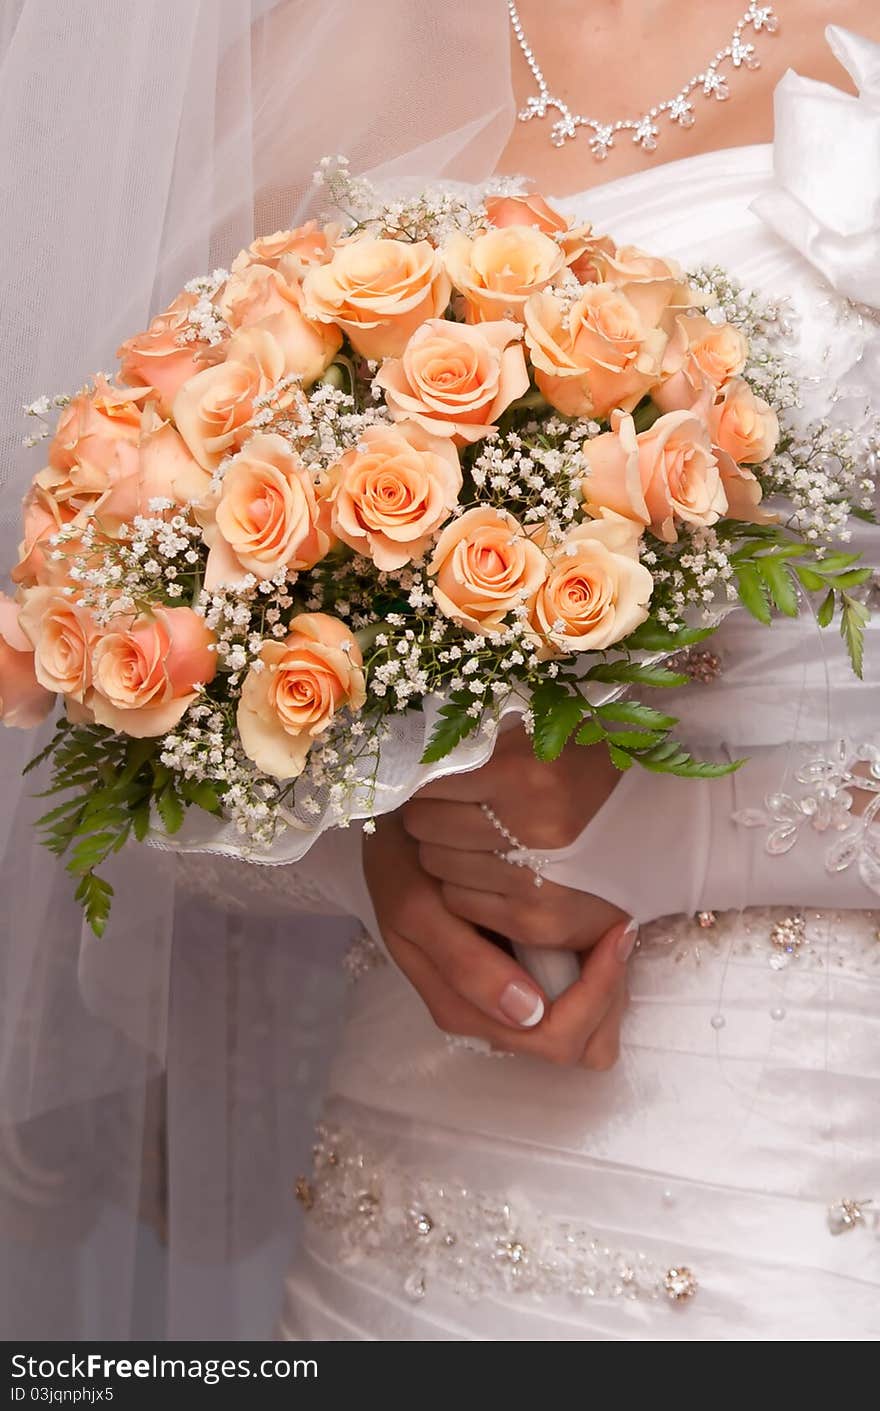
(345, 505)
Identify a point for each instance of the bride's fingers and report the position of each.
(486, 873)
(578, 1013)
(476, 968)
(603, 1049)
(528, 922)
(449, 1009)
(461, 825)
(562, 1038)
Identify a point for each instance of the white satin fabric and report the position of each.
(747, 1097)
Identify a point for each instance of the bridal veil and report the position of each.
(157, 1086)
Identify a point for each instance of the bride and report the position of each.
(652, 1114)
(716, 1183)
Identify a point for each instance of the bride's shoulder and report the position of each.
(808, 52)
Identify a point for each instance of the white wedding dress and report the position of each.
(716, 1184)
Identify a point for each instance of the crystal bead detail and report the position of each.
(473, 1242)
(789, 934)
(304, 1193)
(414, 1287)
(845, 1215)
(680, 1284)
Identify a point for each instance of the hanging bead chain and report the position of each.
(680, 110)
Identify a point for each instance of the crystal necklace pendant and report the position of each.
(713, 82)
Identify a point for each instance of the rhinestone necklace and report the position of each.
(645, 130)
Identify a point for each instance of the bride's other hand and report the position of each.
(544, 806)
(472, 987)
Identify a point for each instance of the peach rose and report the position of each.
(305, 682)
(499, 270)
(61, 634)
(585, 253)
(596, 592)
(23, 701)
(260, 297)
(484, 565)
(163, 357)
(294, 252)
(146, 675)
(88, 431)
(44, 516)
(651, 285)
(578, 243)
(455, 379)
(266, 516)
(666, 474)
(213, 410)
(390, 496)
(379, 292)
(713, 353)
(743, 424)
(594, 356)
(159, 467)
(532, 210)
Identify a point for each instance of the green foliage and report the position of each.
(557, 710)
(113, 784)
(453, 726)
(773, 570)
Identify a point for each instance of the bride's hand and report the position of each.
(544, 806)
(473, 987)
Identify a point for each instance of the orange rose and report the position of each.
(165, 356)
(745, 430)
(485, 565)
(305, 682)
(667, 474)
(713, 353)
(158, 467)
(260, 297)
(379, 292)
(266, 516)
(651, 285)
(594, 356)
(146, 675)
(743, 424)
(43, 517)
(532, 210)
(213, 410)
(88, 430)
(389, 497)
(61, 634)
(294, 252)
(498, 271)
(586, 252)
(456, 380)
(23, 701)
(578, 243)
(596, 592)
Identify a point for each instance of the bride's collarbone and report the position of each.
(592, 70)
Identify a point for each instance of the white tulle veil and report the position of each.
(156, 1087)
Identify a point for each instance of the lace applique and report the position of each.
(825, 806)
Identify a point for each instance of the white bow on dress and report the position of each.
(826, 161)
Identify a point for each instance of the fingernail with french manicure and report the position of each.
(522, 1005)
(627, 941)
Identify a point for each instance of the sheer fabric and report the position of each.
(155, 1087)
